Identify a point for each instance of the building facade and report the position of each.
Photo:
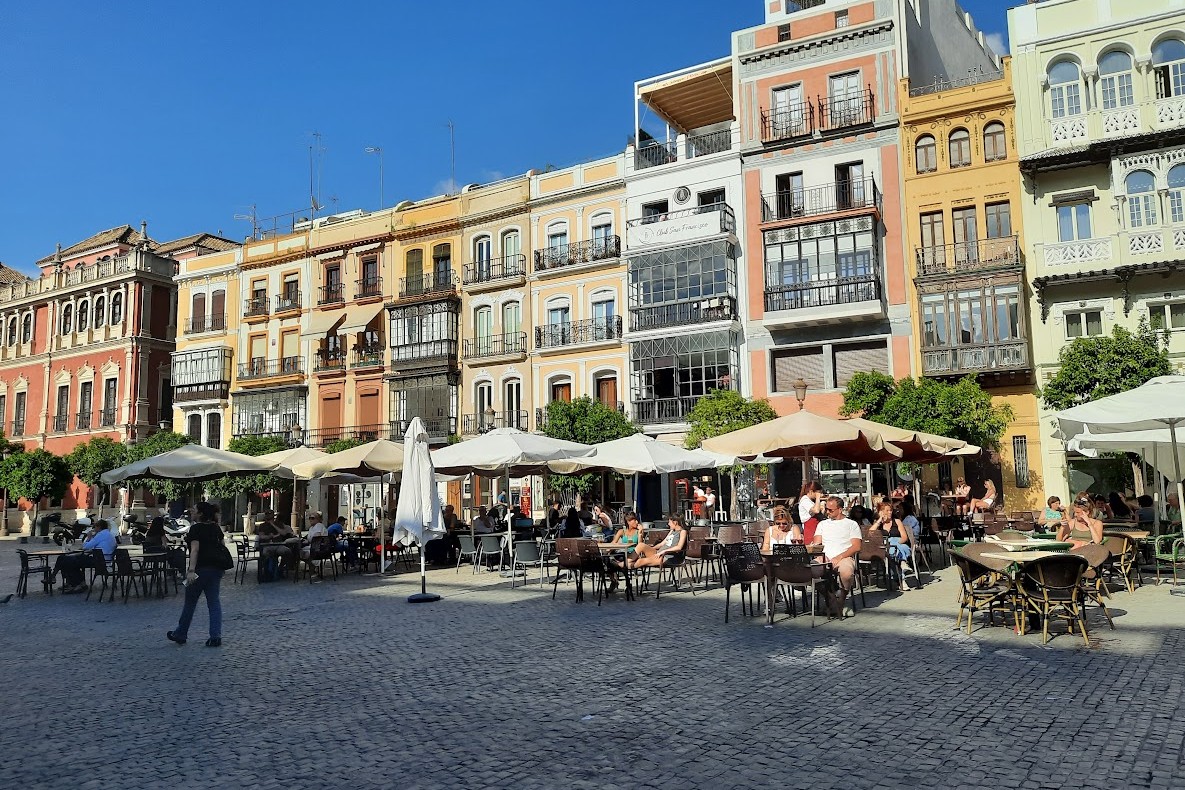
(969, 297)
(1100, 104)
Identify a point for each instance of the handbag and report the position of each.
(223, 558)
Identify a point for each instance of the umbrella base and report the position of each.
(423, 598)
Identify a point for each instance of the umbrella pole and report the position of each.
(1176, 478)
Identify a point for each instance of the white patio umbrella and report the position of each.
(806, 435)
(418, 511)
(1156, 447)
(192, 462)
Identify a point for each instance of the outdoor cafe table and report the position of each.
(771, 585)
(607, 551)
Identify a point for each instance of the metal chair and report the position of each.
(31, 566)
(245, 554)
(1124, 559)
(467, 551)
(792, 568)
(128, 573)
(1093, 587)
(488, 546)
(743, 566)
(527, 555)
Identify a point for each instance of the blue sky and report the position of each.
(185, 114)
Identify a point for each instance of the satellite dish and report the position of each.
(904, 472)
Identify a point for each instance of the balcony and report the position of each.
(827, 301)
(787, 123)
(59, 423)
(203, 323)
(333, 293)
(363, 433)
(255, 307)
(107, 417)
(186, 393)
(1074, 252)
(496, 271)
(966, 256)
(682, 226)
(329, 362)
(1002, 357)
(655, 153)
(702, 311)
(430, 351)
(588, 251)
(83, 422)
(504, 345)
(657, 411)
(289, 300)
(438, 429)
(843, 113)
(441, 283)
(802, 5)
(819, 201)
(260, 368)
(367, 357)
(575, 333)
(368, 288)
(709, 143)
(18, 428)
(475, 424)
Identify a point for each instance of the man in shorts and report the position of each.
(841, 540)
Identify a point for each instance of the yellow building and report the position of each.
(962, 192)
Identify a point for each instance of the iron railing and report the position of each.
(579, 252)
(842, 290)
(107, 418)
(368, 287)
(255, 306)
(428, 284)
(845, 111)
(83, 421)
(570, 333)
(981, 358)
(363, 433)
(709, 143)
(184, 393)
(472, 424)
(715, 308)
(203, 323)
(496, 345)
(331, 294)
(786, 123)
(59, 423)
(289, 300)
(940, 84)
(802, 5)
(260, 368)
(18, 427)
(367, 357)
(437, 428)
(327, 361)
(655, 153)
(1000, 253)
(662, 410)
(816, 201)
(427, 350)
(494, 269)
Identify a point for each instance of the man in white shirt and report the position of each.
(483, 524)
(709, 502)
(841, 540)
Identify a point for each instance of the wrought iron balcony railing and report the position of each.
(328, 361)
(495, 269)
(368, 287)
(716, 308)
(184, 393)
(495, 345)
(842, 290)
(846, 111)
(663, 410)
(709, 143)
(289, 300)
(1001, 253)
(83, 422)
(786, 123)
(367, 357)
(363, 433)
(581, 252)
(107, 418)
(655, 153)
(331, 294)
(205, 323)
(571, 333)
(260, 368)
(18, 427)
(428, 284)
(59, 423)
(255, 306)
(472, 424)
(821, 200)
(438, 428)
(982, 358)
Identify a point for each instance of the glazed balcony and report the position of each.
(658, 411)
(980, 255)
(823, 200)
(504, 345)
(835, 300)
(442, 283)
(588, 251)
(575, 333)
(438, 429)
(187, 393)
(368, 288)
(700, 311)
(475, 424)
(682, 226)
(497, 272)
(429, 351)
(333, 293)
(205, 323)
(1001, 357)
(261, 368)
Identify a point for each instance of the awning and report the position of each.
(322, 322)
(357, 318)
(691, 101)
(367, 247)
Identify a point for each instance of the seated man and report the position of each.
(483, 524)
(841, 540)
(71, 565)
(275, 552)
(316, 530)
(1146, 509)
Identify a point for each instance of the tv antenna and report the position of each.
(253, 219)
(452, 157)
(315, 152)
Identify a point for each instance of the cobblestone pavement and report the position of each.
(344, 684)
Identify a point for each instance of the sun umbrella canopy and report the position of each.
(804, 434)
(915, 446)
(505, 451)
(285, 460)
(1156, 447)
(1146, 408)
(191, 462)
(637, 454)
(366, 460)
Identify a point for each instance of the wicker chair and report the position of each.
(743, 566)
(793, 570)
(1124, 560)
(31, 566)
(979, 587)
(1052, 587)
(1097, 558)
(1023, 520)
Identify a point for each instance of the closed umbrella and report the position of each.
(418, 511)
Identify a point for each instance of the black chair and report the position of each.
(981, 586)
(100, 570)
(245, 554)
(322, 549)
(128, 572)
(743, 566)
(31, 566)
(792, 569)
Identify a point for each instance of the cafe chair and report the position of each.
(488, 546)
(578, 556)
(129, 573)
(793, 570)
(744, 568)
(980, 587)
(467, 552)
(527, 555)
(321, 550)
(245, 554)
(1052, 587)
(101, 570)
(1168, 550)
(874, 553)
(1093, 587)
(1124, 560)
(31, 566)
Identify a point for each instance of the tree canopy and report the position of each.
(160, 442)
(89, 460)
(724, 411)
(35, 474)
(230, 487)
(342, 444)
(587, 421)
(960, 410)
(1095, 367)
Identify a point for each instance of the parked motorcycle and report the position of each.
(134, 529)
(63, 533)
(176, 529)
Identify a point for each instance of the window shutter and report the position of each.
(794, 363)
(856, 357)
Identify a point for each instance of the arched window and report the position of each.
(442, 265)
(1168, 66)
(1141, 198)
(483, 331)
(117, 308)
(512, 245)
(100, 307)
(12, 332)
(960, 148)
(483, 253)
(1115, 69)
(602, 235)
(994, 146)
(926, 153)
(1065, 89)
(27, 328)
(1176, 181)
(84, 316)
(512, 324)
(67, 319)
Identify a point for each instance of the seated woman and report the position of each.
(573, 526)
(629, 537)
(989, 498)
(1082, 527)
(962, 496)
(602, 522)
(669, 552)
(782, 532)
(1054, 516)
(1119, 508)
(155, 536)
(888, 520)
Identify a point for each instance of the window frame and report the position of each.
(995, 142)
(931, 147)
(960, 137)
(1081, 315)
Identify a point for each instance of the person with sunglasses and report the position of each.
(782, 532)
(841, 540)
(1082, 527)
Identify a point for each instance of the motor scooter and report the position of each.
(69, 533)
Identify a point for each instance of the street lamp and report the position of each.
(800, 388)
(374, 149)
(4, 505)
(489, 414)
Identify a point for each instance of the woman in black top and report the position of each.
(573, 526)
(203, 575)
